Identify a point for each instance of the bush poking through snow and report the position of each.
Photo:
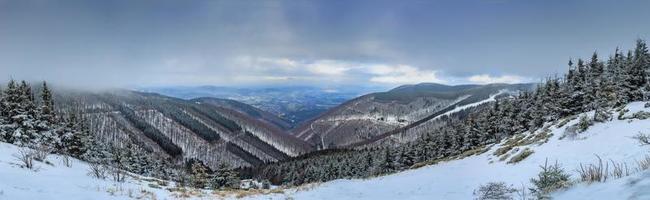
(495, 191)
(117, 174)
(584, 124)
(594, 172)
(551, 178)
(97, 170)
(41, 152)
(642, 115)
(602, 115)
(65, 160)
(521, 156)
(26, 158)
(602, 172)
(643, 164)
(644, 139)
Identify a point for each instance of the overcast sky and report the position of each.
(307, 42)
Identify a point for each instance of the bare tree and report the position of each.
(97, 170)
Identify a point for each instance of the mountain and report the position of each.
(623, 162)
(376, 116)
(293, 105)
(210, 130)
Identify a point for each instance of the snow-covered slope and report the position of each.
(56, 181)
(457, 179)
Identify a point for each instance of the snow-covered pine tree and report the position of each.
(45, 123)
(641, 66)
(224, 177)
(47, 104)
(199, 175)
(24, 116)
(10, 108)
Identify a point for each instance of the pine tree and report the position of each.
(199, 175)
(387, 165)
(47, 105)
(24, 115)
(641, 66)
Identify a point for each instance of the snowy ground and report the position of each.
(457, 179)
(56, 181)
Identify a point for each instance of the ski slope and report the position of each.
(458, 179)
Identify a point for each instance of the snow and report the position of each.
(458, 179)
(56, 181)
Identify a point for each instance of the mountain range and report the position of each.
(292, 104)
(216, 130)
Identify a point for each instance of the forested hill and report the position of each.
(375, 117)
(205, 129)
(593, 85)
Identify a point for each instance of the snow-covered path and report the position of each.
(457, 179)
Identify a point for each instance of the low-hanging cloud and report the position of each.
(403, 74)
(487, 79)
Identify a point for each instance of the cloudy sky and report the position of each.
(307, 42)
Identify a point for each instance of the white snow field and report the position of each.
(56, 181)
(458, 179)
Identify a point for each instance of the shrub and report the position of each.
(644, 139)
(495, 191)
(621, 113)
(644, 163)
(97, 170)
(602, 115)
(65, 160)
(41, 152)
(550, 179)
(584, 124)
(642, 115)
(26, 158)
(521, 156)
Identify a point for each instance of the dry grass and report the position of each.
(503, 150)
(521, 156)
(643, 164)
(522, 140)
(241, 193)
(566, 120)
(602, 171)
(475, 151)
(593, 172)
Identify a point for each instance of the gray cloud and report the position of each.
(148, 43)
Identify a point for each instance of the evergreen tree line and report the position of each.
(588, 85)
(31, 122)
(34, 123)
